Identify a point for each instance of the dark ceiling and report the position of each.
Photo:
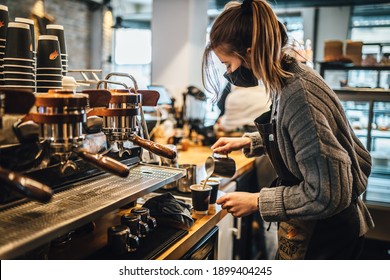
(312, 3)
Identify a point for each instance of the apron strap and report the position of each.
(266, 126)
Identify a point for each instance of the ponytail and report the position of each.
(251, 24)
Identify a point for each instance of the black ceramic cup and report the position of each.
(48, 52)
(120, 241)
(18, 41)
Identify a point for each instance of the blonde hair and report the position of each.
(254, 25)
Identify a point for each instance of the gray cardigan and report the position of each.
(319, 147)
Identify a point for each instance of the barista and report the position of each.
(252, 101)
(322, 167)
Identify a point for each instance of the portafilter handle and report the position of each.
(104, 162)
(153, 147)
(25, 186)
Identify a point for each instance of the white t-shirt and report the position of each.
(243, 106)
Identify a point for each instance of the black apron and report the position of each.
(336, 237)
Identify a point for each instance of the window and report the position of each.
(294, 25)
(371, 24)
(133, 54)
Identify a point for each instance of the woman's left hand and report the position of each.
(239, 204)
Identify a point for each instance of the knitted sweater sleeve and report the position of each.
(309, 140)
(256, 148)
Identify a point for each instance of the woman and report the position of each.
(322, 167)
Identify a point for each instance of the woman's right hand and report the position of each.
(225, 145)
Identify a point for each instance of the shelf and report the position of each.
(376, 111)
(362, 90)
(337, 66)
(326, 66)
(374, 133)
(378, 190)
(381, 170)
(363, 94)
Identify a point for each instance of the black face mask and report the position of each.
(242, 77)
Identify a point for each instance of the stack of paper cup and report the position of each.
(4, 19)
(49, 67)
(58, 30)
(18, 57)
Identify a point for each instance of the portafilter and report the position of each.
(19, 102)
(120, 120)
(61, 115)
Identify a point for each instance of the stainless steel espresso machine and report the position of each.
(84, 151)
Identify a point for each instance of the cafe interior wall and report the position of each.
(74, 15)
(89, 34)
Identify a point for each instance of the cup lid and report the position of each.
(48, 37)
(3, 7)
(24, 20)
(54, 26)
(18, 25)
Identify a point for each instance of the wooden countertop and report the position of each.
(203, 224)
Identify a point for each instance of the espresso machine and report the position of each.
(86, 154)
(124, 121)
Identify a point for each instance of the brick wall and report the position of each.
(74, 15)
